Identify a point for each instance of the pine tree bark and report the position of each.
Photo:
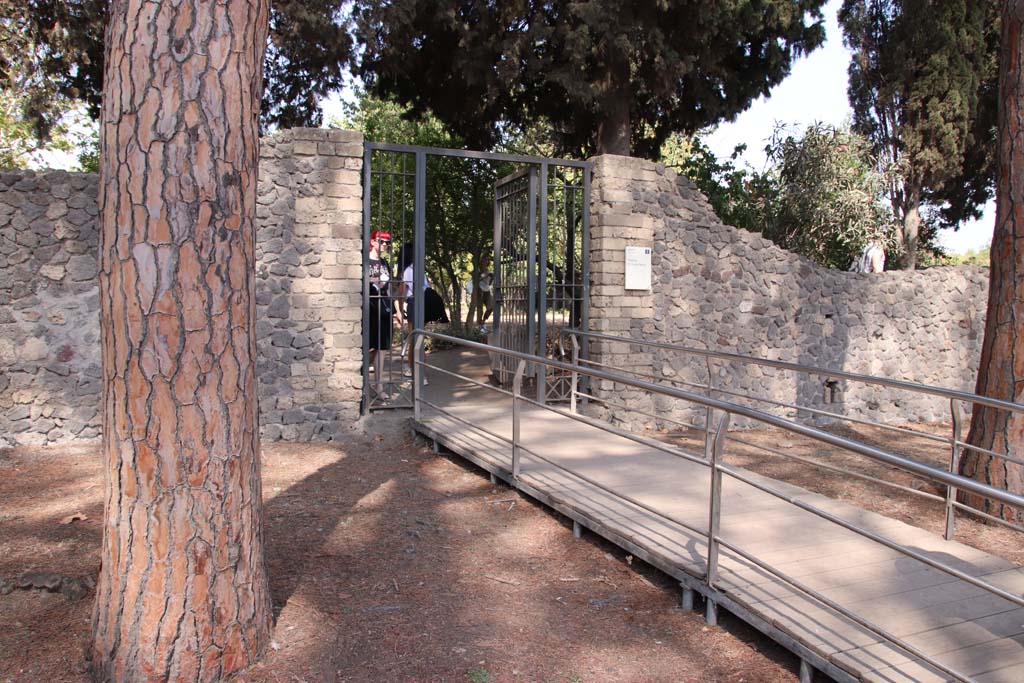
(1001, 372)
(182, 594)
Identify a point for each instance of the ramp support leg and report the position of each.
(577, 529)
(437, 447)
(806, 672)
(711, 612)
(687, 601)
(494, 478)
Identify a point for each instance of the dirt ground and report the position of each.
(387, 563)
(391, 563)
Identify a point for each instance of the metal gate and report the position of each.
(542, 256)
(540, 279)
(516, 276)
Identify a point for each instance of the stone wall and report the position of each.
(717, 287)
(714, 287)
(49, 308)
(309, 259)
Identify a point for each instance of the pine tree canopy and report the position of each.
(608, 76)
(612, 77)
(308, 52)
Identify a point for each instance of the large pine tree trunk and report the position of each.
(182, 593)
(1001, 372)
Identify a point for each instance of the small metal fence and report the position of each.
(720, 413)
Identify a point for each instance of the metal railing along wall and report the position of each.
(715, 440)
(954, 442)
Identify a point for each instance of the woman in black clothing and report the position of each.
(381, 305)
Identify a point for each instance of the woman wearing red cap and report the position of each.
(381, 308)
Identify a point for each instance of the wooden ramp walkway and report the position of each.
(969, 630)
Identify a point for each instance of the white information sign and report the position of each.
(638, 268)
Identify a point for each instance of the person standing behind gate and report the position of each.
(381, 306)
(486, 297)
(484, 300)
(433, 305)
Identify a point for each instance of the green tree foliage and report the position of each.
(922, 90)
(34, 117)
(829, 192)
(68, 55)
(740, 196)
(607, 76)
(821, 195)
(308, 52)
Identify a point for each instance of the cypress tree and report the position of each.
(918, 75)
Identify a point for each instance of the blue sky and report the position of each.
(816, 91)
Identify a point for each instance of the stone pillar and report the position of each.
(616, 223)
(309, 255)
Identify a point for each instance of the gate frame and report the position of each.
(419, 233)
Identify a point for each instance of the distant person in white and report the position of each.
(433, 304)
(485, 293)
(871, 259)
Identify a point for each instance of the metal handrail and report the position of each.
(956, 399)
(967, 397)
(718, 469)
(878, 454)
(781, 404)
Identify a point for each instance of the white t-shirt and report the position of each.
(407, 275)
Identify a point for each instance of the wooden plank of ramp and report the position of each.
(655, 504)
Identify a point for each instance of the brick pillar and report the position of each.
(310, 282)
(617, 223)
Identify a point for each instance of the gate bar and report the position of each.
(542, 290)
(364, 405)
(419, 270)
(531, 263)
(470, 154)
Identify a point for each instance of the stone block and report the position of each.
(33, 350)
(81, 268)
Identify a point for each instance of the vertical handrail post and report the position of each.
(574, 387)
(954, 466)
(715, 511)
(709, 417)
(709, 435)
(517, 391)
(417, 375)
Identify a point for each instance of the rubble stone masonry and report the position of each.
(713, 286)
(309, 223)
(721, 288)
